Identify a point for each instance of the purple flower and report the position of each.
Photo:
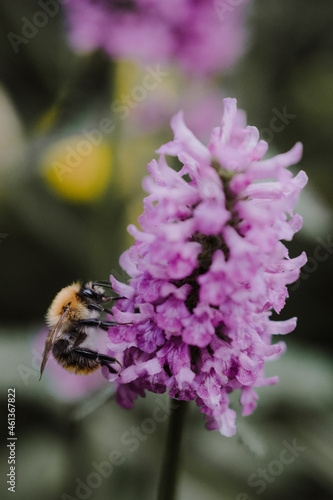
(203, 35)
(208, 269)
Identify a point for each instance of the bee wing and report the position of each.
(50, 341)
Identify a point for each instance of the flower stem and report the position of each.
(169, 473)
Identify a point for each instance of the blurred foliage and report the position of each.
(55, 230)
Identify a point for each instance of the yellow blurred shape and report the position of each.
(77, 168)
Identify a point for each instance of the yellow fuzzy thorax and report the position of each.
(67, 296)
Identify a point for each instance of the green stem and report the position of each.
(169, 473)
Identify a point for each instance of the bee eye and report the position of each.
(87, 292)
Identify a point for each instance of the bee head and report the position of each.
(91, 293)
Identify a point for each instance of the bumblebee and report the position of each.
(73, 317)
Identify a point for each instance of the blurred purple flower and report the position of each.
(201, 103)
(207, 270)
(204, 36)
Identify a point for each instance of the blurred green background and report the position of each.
(60, 225)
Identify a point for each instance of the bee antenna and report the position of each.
(102, 284)
(105, 299)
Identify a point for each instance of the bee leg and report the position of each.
(103, 359)
(97, 307)
(105, 325)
